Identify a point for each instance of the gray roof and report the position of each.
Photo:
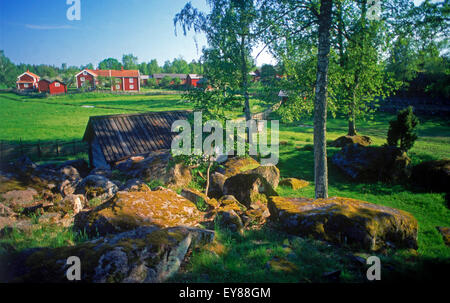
(124, 136)
(160, 76)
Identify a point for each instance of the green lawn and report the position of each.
(65, 117)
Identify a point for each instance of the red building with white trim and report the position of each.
(27, 81)
(193, 79)
(121, 80)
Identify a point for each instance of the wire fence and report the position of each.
(41, 150)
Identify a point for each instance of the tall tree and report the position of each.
(320, 103)
(153, 67)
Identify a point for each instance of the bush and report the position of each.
(403, 129)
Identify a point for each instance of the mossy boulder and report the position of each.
(270, 172)
(248, 188)
(135, 185)
(346, 140)
(216, 181)
(238, 165)
(432, 175)
(20, 199)
(143, 255)
(373, 163)
(129, 210)
(229, 202)
(196, 197)
(294, 183)
(355, 223)
(96, 186)
(229, 219)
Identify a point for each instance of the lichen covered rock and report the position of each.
(238, 165)
(373, 163)
(96, 186)
(294, 183)
(143, 255)
(346, 140)
(248, 188)
(345, 221)
(129, 210)
(270, 172)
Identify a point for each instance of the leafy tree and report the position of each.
(153, 67)
(129, 61)
(268, 74)
(165, 82)
(110, 63)
(230, 32)
(403, 129)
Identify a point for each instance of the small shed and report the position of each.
(115, 138)
(193, 79)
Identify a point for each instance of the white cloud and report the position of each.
(48, 27)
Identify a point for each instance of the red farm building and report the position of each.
(120, 80)
(53, 87)
(27, 81)
(193, 79)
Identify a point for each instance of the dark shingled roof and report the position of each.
(123, 136)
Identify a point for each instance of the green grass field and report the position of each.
(64, 118)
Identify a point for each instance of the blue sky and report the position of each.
(38, 31)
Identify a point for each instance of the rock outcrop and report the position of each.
(346, 140)
(373, 163)
(142, 255)
(129, 210)
(345, 221)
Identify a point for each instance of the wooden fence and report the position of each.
(41, 150)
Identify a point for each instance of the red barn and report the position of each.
(193, 79)
(57, 87)
(27, 81)
(53, 87)
(120, 80)
(43, 86)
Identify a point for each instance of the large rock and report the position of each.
(432, 175)
(96, 186)
(20, 199)
(345, 221)
(294, 183)
(135, 185)
(249, 188)
(129, 210)
(346, 140)
(156, 166)
(72, 204)
(238, 165)
(270, 172)
(143, 255)
(216, 181)
(197, 197)
(229, 219)
(373, 163)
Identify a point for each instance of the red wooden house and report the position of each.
(27, 81)
(193, 79)
(120, 80)
(53, 87)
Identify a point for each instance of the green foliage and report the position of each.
(165, 82)
(110, 63)
(130, 61)
(403, 129)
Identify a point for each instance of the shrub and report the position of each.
(403, 129)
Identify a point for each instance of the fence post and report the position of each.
(57, 148)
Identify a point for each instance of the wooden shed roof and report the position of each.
(123, 136)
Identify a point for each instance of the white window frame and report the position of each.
(57, 84)
(85, 73)
(117, 86)
(82, 79)
(131, 86)
(25, 85)
(131, 80)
